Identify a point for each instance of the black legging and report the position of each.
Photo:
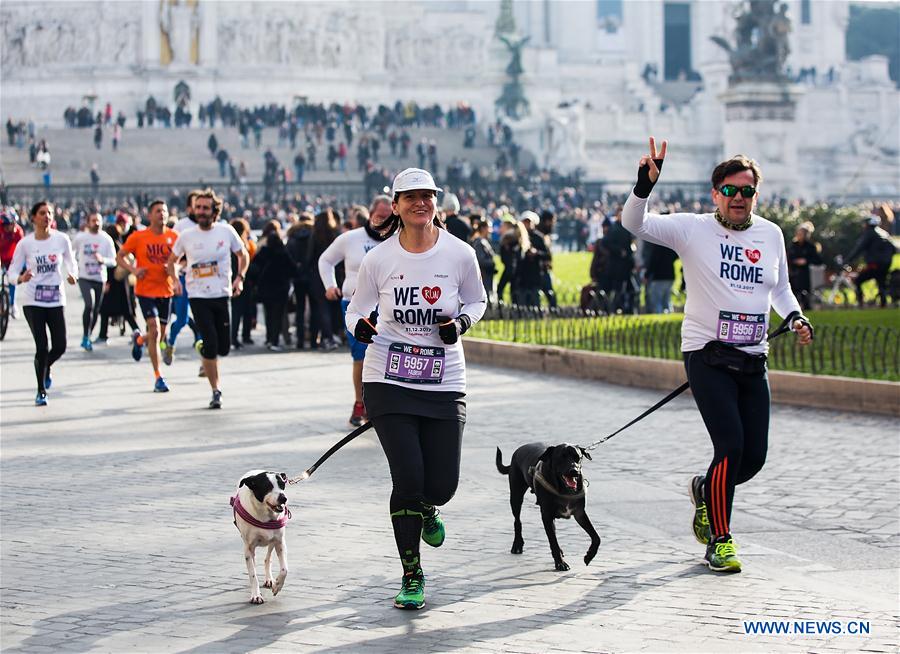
(735, 410)
(301, 292)
(423, 455)
(213, 322)
(92, 293)
(274, 311)
(39, 320)
(242, 314)
(321, 329)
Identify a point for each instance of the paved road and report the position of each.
(117, 534)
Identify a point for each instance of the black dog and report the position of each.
(553, 473)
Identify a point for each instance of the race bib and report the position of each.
(46, 294)
(741, 328)
(92, 267)
(202, 270)
(414, 364)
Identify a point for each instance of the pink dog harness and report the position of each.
(271, 524)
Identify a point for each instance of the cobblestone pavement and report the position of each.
(117, 534)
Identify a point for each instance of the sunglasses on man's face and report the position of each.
(730, 190)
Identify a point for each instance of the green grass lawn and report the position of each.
(853, 343)
(571, 271)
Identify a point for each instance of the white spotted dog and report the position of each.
(261, 514)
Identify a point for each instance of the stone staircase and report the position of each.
(180, 155)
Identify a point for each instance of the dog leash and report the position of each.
(783, 328)
(334, 448)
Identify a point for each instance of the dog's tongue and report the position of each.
(571, 482)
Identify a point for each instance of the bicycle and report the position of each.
(833, 289)
(4, 305)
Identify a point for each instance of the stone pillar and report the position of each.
(760, 122)
(151, 43)
(209, 34)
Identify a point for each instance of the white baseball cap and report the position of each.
(530, 215)
(413, 179)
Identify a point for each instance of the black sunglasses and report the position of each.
(730, 190)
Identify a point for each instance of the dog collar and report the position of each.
(539, 478)
(245, 515)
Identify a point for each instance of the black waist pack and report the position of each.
(727, 357)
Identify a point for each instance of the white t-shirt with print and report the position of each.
(208, 253)
(350, 247)
(414, 292)
(87, 246)
(44, 259)
(733, 278)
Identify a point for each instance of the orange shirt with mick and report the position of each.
(151, 251)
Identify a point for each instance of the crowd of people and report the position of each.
(414, 280)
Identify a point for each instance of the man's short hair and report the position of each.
(154, 203)
(209, 194)
(735, 165)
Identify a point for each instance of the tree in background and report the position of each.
(873, 30)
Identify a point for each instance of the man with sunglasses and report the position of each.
(735, 269)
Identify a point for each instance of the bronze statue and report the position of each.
(512, 101)
(761, 42)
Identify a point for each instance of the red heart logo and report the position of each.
(753, 255)
(432, 294)
(52, 258)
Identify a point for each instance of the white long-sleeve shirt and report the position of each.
(733, 277)
(44, 259)
(350, 247)
(87, 246)
(414, 292)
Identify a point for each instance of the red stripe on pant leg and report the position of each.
(725, 496)
(713, 515)
(717, 501)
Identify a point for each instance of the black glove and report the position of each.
(451, 330)
(644, 185)
(365, 328)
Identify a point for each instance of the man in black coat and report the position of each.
(878, 251)
(460, 228)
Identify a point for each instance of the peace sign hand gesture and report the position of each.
(649, 167)
(654, 160)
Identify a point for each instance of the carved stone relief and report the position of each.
(339, 39)
(99, 34)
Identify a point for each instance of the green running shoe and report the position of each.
(433, 528)
(700, 523)
(721, 555)
(412, 593)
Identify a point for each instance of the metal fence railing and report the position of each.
(67, 194)
(851, 351)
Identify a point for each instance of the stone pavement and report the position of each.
(117, 534)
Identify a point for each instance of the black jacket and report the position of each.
(271, 271)
(458, 227)
(875, 245)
